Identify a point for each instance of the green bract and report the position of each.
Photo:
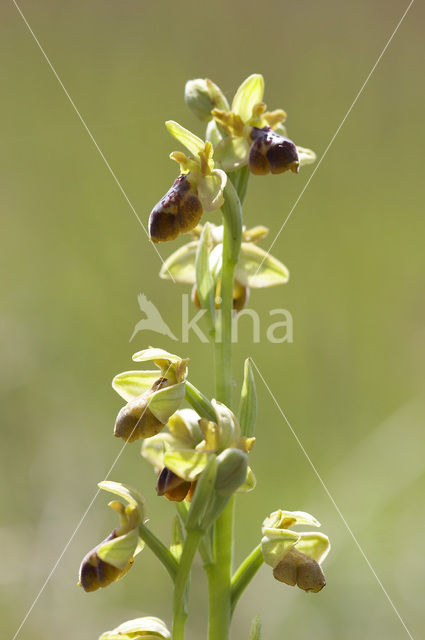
(139, 629)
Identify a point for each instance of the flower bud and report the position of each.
(202, 96)
(296, 568)
(179, 211)
(172, 486)
(271, 152)
(232, 466)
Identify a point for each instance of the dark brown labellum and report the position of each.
(179, 211)
(271, 152)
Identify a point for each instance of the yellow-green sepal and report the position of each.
(185, 137)
(315, 545)
(186, 463)
(130, 495)
(249, 94)
(166, 401)
(131, 384)
(119, 551)
(256, 268)
(276, 543)
(180, 266)
(147, 628)
(282, 519)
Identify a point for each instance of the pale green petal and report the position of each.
(148, 628)
(131, 384)
(257, 269)
(250, 482)
(276, 543)
(282, 519)
(132, 496)
(153, 354)
(315, 545)
(186, 137)
(119, 551)
(232, 153)
(187, 464)
(166, 401)
(210, 190)
(180, 266)
(249, 94)
(306, 156)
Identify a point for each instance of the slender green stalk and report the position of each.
(219, 577)
(180, 589)
(245, 573)
(160, 550)
(219, 573)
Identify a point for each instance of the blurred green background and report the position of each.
(74, 259)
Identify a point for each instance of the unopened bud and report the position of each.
(271, 152)
(296, 568)
(232, 466)
(179, 211)
(202, 96)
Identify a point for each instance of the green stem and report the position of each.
(219, 573)
(160, 550)
(245, 574)
(219, 577)
(180, 588)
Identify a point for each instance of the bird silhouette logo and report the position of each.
(153, 320)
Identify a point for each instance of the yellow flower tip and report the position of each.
(273, 118)
(231, 122)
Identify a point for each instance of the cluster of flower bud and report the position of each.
(244, 133)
